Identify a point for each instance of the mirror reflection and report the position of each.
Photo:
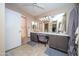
(55, 24)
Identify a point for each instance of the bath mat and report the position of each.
(31, 43)
(53, 52)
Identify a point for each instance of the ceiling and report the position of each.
(34, 11)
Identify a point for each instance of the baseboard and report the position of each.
(12, 48)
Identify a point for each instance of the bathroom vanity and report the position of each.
(56, 41)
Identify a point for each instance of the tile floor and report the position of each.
(37, 50)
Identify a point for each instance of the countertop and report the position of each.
(49, 33)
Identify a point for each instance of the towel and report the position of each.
(77, 38)
(77, 31)
(77, 35)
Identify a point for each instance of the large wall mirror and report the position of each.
(56, 23)
(34, 26)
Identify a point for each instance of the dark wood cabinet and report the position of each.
(56, 41)
(59, 42)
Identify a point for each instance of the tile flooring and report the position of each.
(37, 50)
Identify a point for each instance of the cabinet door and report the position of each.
(58, 42)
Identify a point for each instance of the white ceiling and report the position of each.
(34, 11)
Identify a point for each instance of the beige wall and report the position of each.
(23, 30)
(2, 35)
(29, 20)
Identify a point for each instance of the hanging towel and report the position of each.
(77, 35)
(77, 31)
(77, 38)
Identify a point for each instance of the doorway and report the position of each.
(54, 26)
(46, 27)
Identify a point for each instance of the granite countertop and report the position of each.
(61, 34)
